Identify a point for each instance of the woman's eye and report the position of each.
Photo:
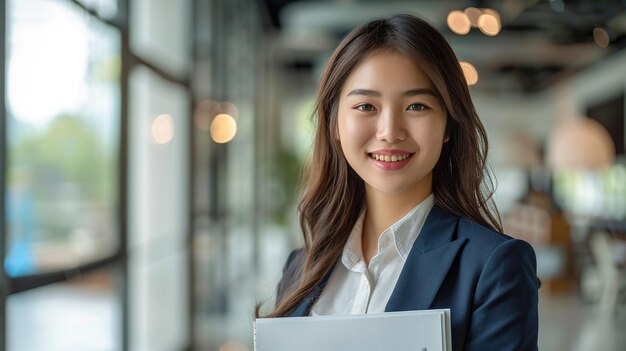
(365, 107)
(417, 107)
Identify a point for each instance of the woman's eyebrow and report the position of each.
(374, 93)
(419, 91)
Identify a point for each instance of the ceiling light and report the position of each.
(459, 23)
(489, 23)
(163, 129)
(601, 37)
(470, 72)
(223, 128)
(473, 14)
(582, 143)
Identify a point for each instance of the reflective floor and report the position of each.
(65, 317)
(567, 323)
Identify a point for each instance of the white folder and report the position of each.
(426, 330)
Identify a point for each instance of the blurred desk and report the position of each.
(548, 231)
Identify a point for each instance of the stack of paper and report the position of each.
(427, 330)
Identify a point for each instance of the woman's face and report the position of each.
(391, 124)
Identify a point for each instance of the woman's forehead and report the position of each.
(387, 72)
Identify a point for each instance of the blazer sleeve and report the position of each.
(290, 273)
(505, 311)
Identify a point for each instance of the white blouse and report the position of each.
(354, 287)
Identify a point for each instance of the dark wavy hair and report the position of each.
(333, 194)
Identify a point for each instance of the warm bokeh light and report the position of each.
(163, 129)
(459, 23)
(473, 14)
(206, 109)
(470, 72)
(493, 12)
(489, 23)
(601, 37)
(223, 128)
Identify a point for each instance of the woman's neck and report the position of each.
(383, 210)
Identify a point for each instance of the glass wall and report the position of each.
(231, 180)
(158, 189)
(97, 119)
(157, 243)
(62, 177)
(63, 102)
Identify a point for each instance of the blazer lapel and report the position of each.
(428, 263)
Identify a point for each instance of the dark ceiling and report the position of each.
(540, 40)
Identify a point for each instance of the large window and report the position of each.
(63, 275)
(63, 102)
(94, 159)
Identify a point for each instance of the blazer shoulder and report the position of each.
(506, 248)
(484, 243)
(479, 234)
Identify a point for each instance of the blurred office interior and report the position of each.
(151, 151)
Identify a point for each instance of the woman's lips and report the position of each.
(390, 160)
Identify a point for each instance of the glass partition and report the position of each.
(63, 103)
(157, 242)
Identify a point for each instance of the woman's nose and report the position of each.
(391, 127)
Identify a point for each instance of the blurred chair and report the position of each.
(611, 270)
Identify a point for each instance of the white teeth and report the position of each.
(387, 158)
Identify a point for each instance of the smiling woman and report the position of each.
(395, 214)
(394, 144)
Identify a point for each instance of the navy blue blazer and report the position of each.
(487, 280)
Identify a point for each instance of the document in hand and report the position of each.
(426, 330)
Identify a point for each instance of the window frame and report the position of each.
(119, 259)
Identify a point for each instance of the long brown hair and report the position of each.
(333, 194)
